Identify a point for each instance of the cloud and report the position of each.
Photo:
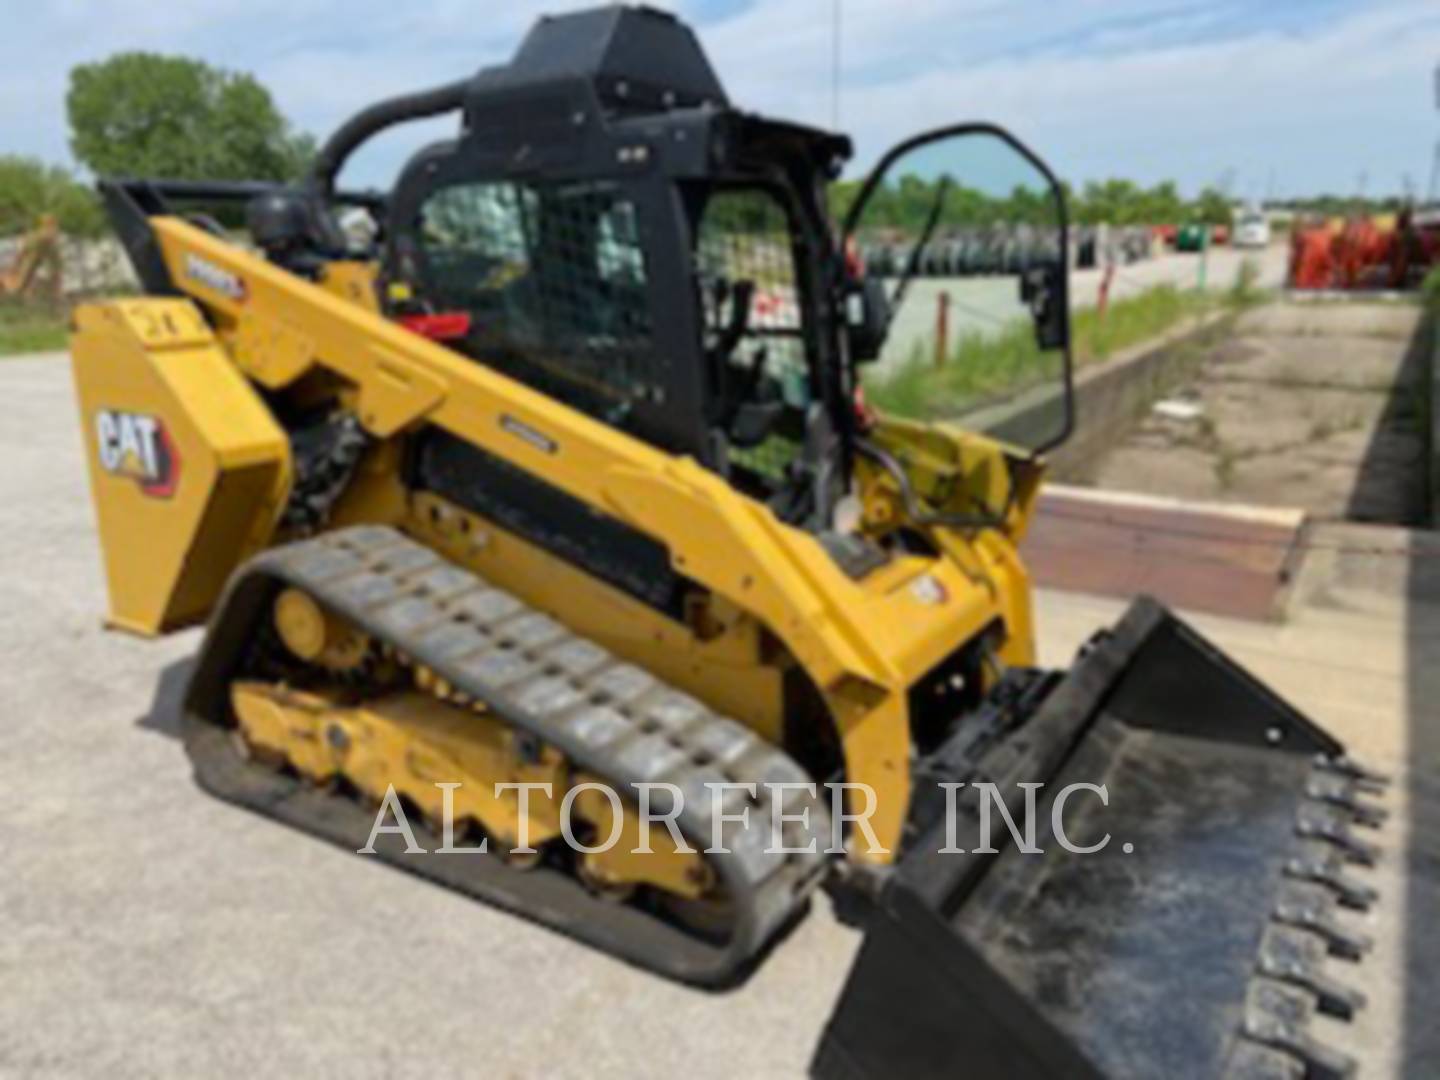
(1146, 90)
(1309, 94)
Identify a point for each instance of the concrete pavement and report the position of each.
(146, 929)
(1318, 406)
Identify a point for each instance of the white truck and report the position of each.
(1252, 230)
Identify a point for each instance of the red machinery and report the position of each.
(1361, 255)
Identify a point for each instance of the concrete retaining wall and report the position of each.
(1432, 328)
(1111, 396)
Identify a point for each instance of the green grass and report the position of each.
(1430, 291)
(26, 329)
(977, 366)
(984, 365)
(1133, 320)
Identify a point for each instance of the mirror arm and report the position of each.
(913, 266)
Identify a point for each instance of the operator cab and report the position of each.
(607, 229)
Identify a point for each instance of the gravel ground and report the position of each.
(149, 930)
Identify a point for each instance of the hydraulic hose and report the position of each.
(919, 516)
(376, 118)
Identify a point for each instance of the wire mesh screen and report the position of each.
(744, 255)
(553, 280)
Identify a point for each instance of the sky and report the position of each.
(1275, 97)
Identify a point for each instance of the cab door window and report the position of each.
(553, 278)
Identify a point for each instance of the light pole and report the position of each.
(1434, 191)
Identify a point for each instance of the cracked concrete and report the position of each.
(1317, 406)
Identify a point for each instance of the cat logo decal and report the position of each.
(138, 446)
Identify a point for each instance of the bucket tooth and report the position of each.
(1298, 957)
(1312, 907)
(1326, 822)
(1343, 791)
(1370, 780)
(1278, 1015)
(1321, 862)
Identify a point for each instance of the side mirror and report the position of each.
(945, 218)
(867, 318)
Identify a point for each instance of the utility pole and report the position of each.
(1434, 192)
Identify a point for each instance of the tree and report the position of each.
(1161, 205)
(30, 188)
(1212, 208)
(904, 205)
(143, 114)
(1113, 201)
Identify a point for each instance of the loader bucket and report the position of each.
(1202, 950)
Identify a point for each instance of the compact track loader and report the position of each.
(552, 476)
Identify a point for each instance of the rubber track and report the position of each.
(610, 718)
